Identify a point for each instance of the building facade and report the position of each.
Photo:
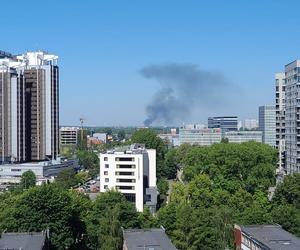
(201, 137)
(250, 124)
(243, 136)
(292, 117)
(267, 124)
(225, 123)
(132, 172)
(68, 136)
(29, 109)
(280, 120)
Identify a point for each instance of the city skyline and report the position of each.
(104, 46)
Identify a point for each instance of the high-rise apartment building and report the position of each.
(225, 123)
(267, 124)
(280, 119)
(292, 117)
(29, 107)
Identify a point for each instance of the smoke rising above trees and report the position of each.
(183, 88)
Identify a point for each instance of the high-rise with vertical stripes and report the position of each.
(29, 107)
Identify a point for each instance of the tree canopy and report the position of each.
(28, 179)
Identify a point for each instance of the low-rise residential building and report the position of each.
(150, 239)
(201, 137)
(243, 136)
(68, 136)
(131, 171)
(264, 237)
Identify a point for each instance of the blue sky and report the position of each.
(103, 45)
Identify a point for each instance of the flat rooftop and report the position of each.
(24, 241)
(148, 239)
(273, 237)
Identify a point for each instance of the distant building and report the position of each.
(172, 139)
(148, 239)
(225, 123)
(68, 136)
(243, 136)
(264, 237)
(280, 120)
(202, 137)
(24, 241)
(97, 139)
(267, 124)
(131, 171)
(44, 170)
(250, 124)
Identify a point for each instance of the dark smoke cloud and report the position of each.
(183, 87)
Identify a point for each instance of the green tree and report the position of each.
(89, 161)
(67, 178)
(152, 141)
(110, 208)
(28, 179)
(121, 135)
(47, 206)
(171, 166)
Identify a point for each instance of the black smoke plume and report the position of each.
(183, 88)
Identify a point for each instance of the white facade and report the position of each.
(201, 137)
(243, 136)
(131, 172)
(250, 124)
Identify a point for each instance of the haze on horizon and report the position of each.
(105, 48)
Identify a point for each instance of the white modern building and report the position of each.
(250, 124)
(68, 136)
(243, 136)
(131, 171)
(280, 120)
(292, 117)
(267, 124)
(201, 137)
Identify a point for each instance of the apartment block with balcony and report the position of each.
(131, 171)
(280, 120)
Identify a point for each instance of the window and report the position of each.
(105, 159)
(106, 165)
(124, 159)
(105, 173)
(124, 173)
(126, 180)
(105, 187)
(106, 179)
(125, 187)
(15, 170)
(148, 197)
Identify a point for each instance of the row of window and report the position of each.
(120, 173)
(121, 159)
